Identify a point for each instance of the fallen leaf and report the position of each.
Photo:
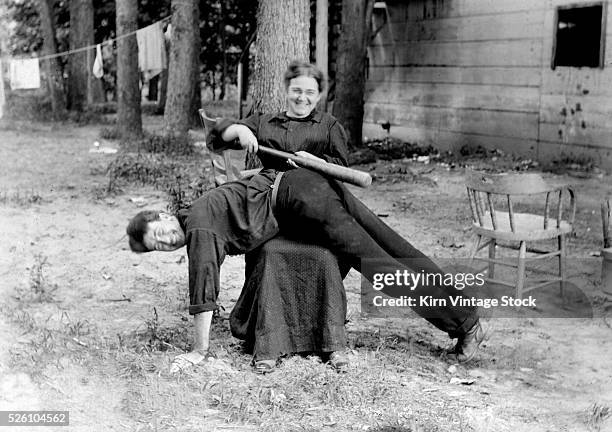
(464, 381)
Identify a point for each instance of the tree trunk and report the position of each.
(196, 98)
(282, 36)
(321, 42)
(163, 84)
(181, 85)
(351, 67)
(153, 87)
(223, 53)
(80, 63)
(55, 82)
(129, 120)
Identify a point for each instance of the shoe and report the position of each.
(264, 366)
(467, 344)
(338, 361)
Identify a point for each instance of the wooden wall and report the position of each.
(456, 72)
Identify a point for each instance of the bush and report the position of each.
(392, 148)
(86, 117)
(169, 145)
(141, 168)
(182, 196)
(183, 179)
(109, 133)
(28, 106)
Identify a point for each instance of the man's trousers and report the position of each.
(311, 208)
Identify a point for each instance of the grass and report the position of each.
(21, 198)
(39, 288)
(597, 415)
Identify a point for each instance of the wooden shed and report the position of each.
(529, 77)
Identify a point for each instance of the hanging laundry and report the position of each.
(98, 68)
(151, 50)
(24, 74)
(2, 95)
(168, 33)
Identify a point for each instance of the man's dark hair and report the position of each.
(137, 228)
(298, 68)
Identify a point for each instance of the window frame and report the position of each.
(602, 35)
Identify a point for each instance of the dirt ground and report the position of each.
(88, 327)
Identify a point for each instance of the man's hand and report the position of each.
(307, 155)
(187, 360)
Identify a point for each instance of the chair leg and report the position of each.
(476, 239)
(520, 277)
(492, 256)
(562, 266)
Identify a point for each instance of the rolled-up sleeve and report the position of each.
(337, 151)
(206, 253)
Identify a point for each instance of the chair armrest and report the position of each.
(245, 174)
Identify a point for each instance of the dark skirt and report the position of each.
(293, 300)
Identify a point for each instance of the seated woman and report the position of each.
(290, 303)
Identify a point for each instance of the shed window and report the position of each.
(579, 36)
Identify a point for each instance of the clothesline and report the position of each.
(85, 48)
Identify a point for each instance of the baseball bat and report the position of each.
(339, 172)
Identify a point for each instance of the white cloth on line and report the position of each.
(151, 49)
(98, 67)
(24, 74)
(2, 95)
(168, 33)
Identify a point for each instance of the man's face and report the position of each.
(164, 234)
(302, 96)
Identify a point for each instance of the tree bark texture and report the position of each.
(80, 63)
(196, 97)
(53, 70)
(129, 120)
(321, 42)
(181, 68)
(282, 36)
(223, 50)
(351, 67)
(163, 84)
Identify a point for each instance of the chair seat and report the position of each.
(527, 226)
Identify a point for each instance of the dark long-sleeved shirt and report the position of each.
(228, 220)
(319, 134)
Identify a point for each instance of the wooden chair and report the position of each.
(224, 169)
(493, 198)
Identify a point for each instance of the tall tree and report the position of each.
(53, 69)
(351, 67)
(282, 35)
(196, 97)
(79, 64)
(163, 82)
(129, 120)
(181, 85)
(321, 41)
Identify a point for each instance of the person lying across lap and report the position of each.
(237, 217)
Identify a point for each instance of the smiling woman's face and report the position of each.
(302, 96)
